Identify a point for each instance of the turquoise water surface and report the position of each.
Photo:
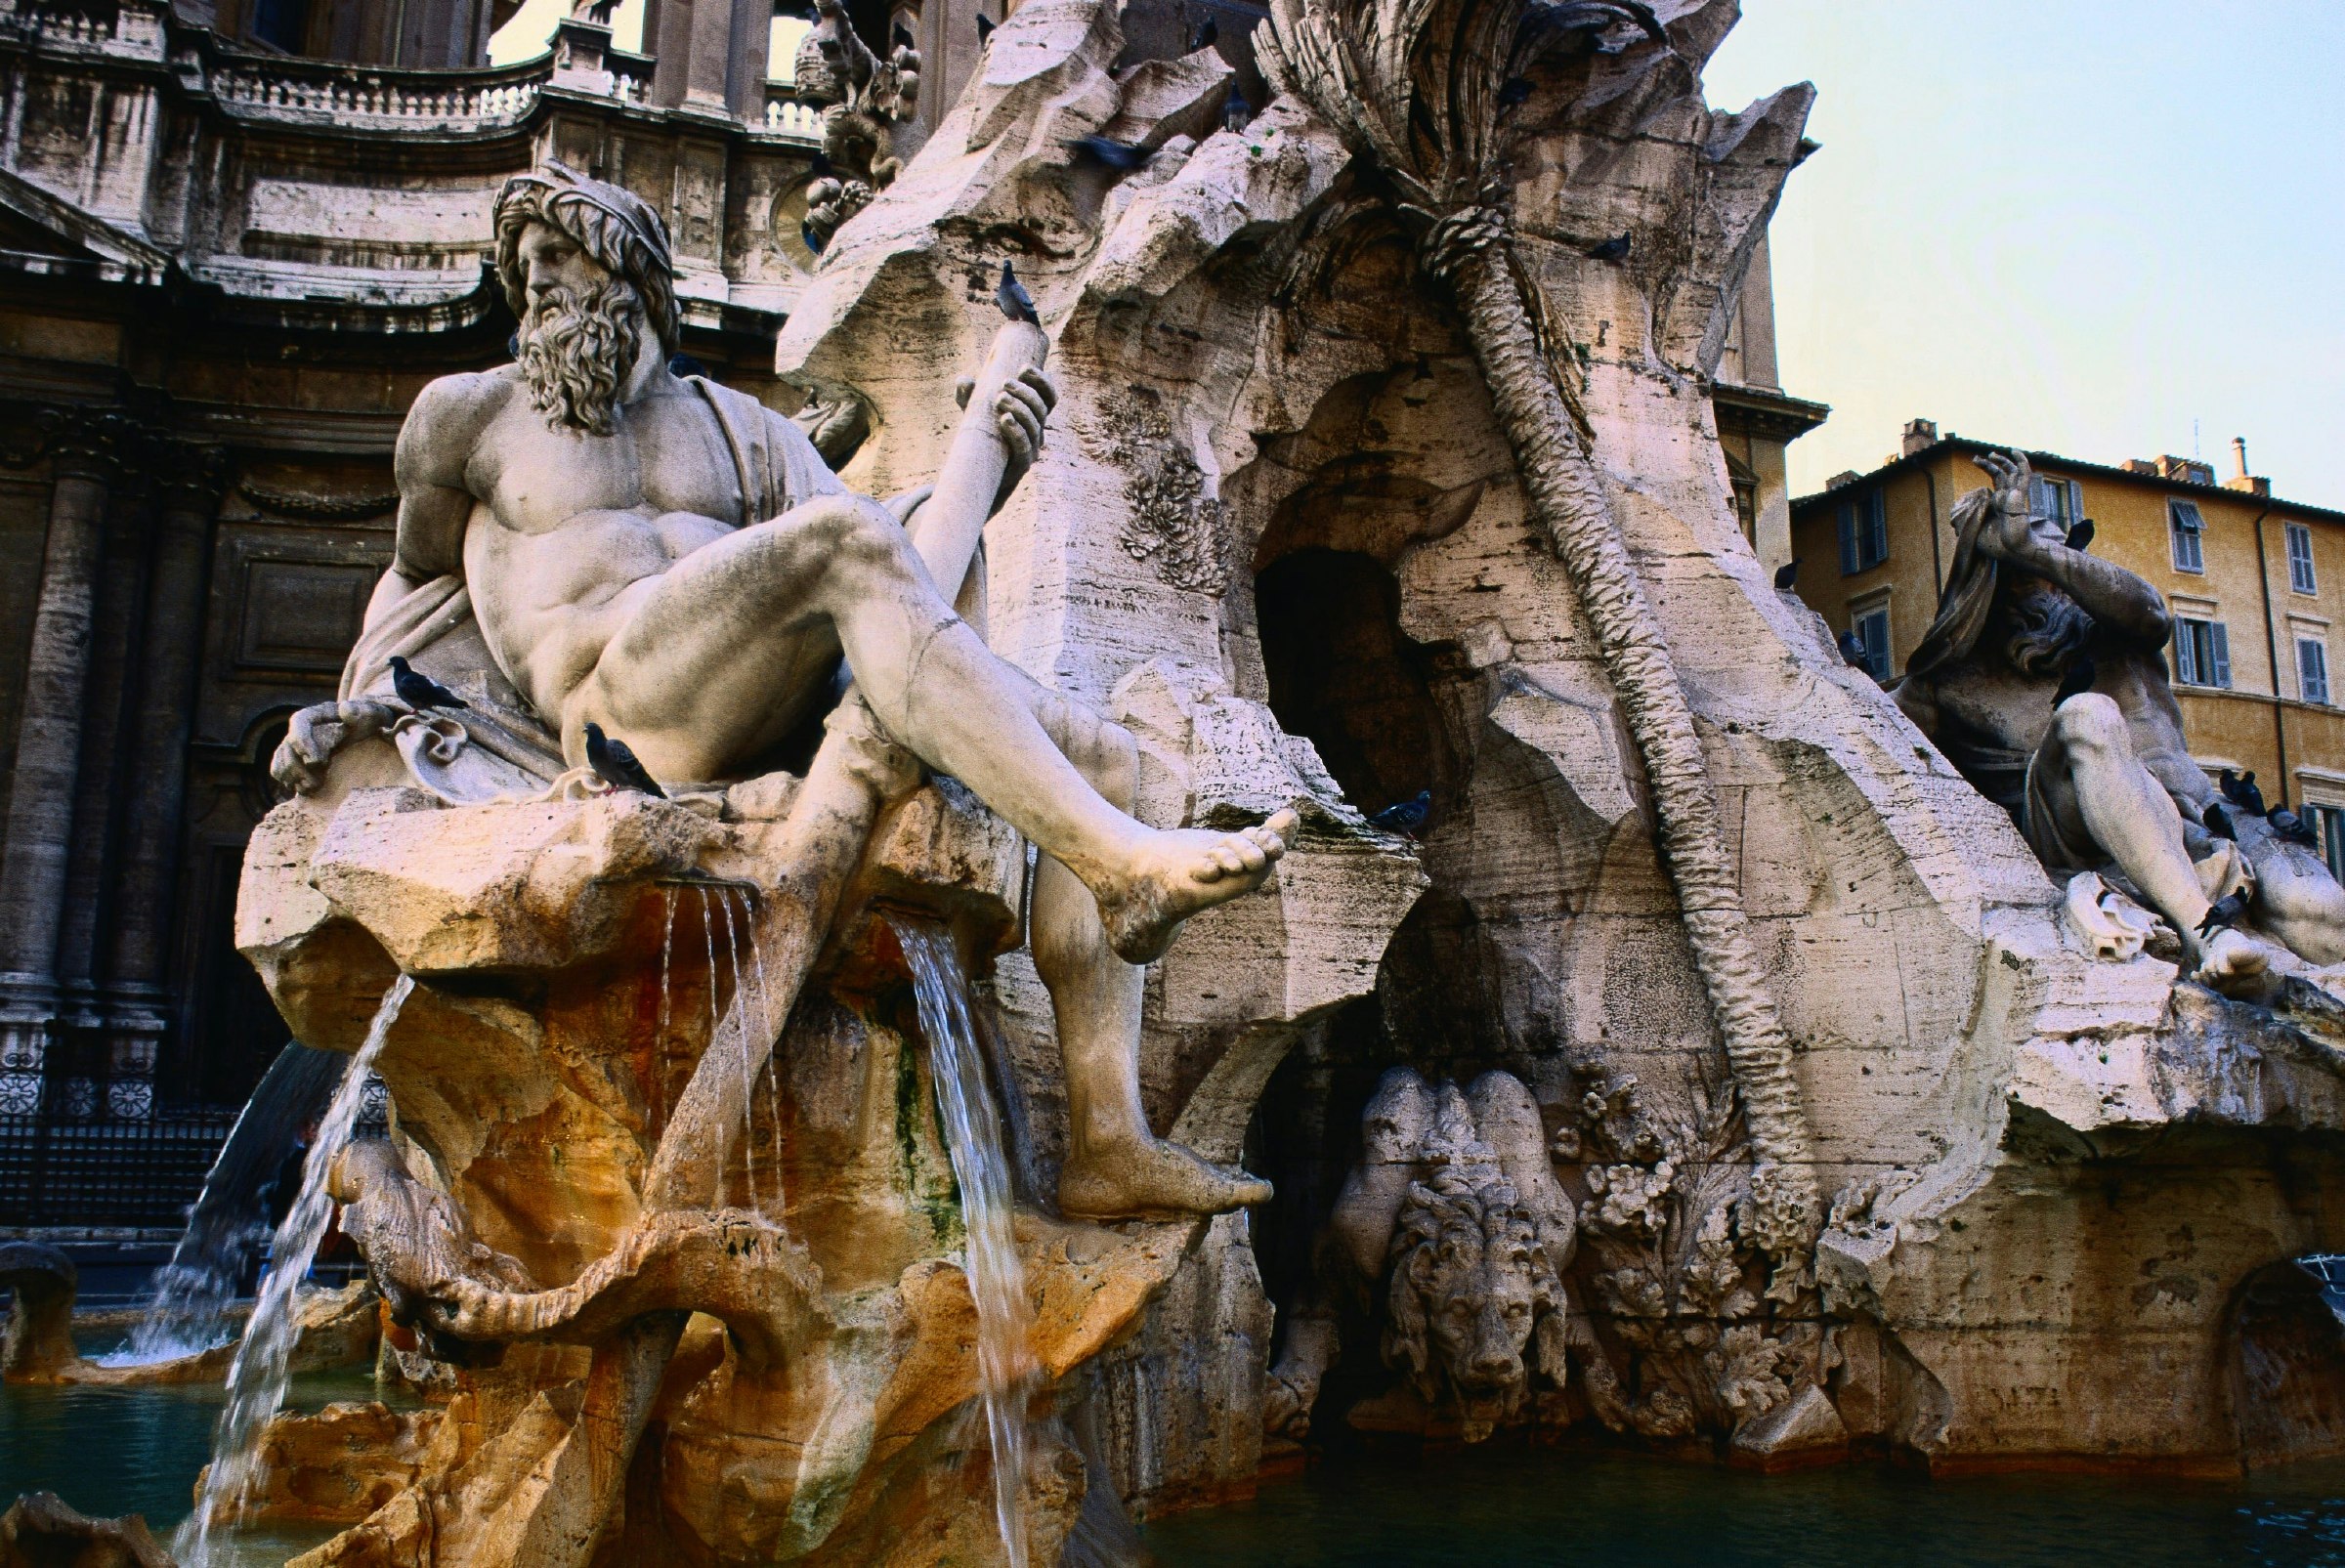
(137, 1451)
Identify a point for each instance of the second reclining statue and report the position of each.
(2043, 679)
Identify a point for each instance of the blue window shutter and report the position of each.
(2219, 640)
(2312, 670)
(1876, 532)
(2186, 652)
(1848, 539)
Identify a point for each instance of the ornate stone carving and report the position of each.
(863, 97)
(1453, 1234)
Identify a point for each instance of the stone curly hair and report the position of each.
(614, 227)
(1463, 1214)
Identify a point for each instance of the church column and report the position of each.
(40, 805)
(118, 608)
(138, 1002)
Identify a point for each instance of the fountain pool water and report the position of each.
(1005, 1369)
(258, 1378)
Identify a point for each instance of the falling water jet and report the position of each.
(748, 1095)
(1006, 1372)
(773, 1071)
(257, 1378)
(189, 1311)
(667, 946)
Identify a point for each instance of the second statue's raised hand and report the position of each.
(1021, 409)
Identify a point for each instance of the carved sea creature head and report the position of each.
(1471, 1284)
(2043, 628)
(616, 230)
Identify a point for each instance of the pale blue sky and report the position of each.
(2105, 227)
(2077, 224)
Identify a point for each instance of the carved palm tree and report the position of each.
(1424, 88)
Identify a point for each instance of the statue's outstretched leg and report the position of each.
(688, 679)
(1115, 1167)
(2096, 781)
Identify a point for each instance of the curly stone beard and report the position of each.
(577, 350)
(2043, 628)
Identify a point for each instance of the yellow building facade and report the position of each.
(2256, 585)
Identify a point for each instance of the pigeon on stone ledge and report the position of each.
(2292, 828)
(2229, 910)
(1407, 816)
(1786, 574)
(2080, 538)
(2241, 790)
(2218, 822)
(614, 762)
(1614, 249)
(1851, 648)
(418, 690)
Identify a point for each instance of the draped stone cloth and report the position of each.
(501, 746)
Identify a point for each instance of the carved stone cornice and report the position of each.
(84, 442)
(194, 475)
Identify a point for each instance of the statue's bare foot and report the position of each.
(1179, 872)
(2233, 960)
(1153, 1180)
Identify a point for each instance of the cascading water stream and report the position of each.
(258, 1378)
(189, 1311)
(1006, 1372)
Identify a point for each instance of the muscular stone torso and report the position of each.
(569, 523)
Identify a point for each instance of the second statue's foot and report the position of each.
(1153, 1180)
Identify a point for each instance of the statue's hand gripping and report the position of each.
(1021, 409)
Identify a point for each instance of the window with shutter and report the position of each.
(2186, 652)
(1863, 534)
(2300, 558)
(1872, 630)
(1876, 529)
(2188, 530)
(2312, 669)
(2218, 663)
(1848, 540)
(2330, 822)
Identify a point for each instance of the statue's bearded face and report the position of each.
(580, 335)
(2043, 628)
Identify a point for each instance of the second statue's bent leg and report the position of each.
(2095, 780)
(708, 653)
(1115, 1167)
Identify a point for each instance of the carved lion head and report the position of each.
(1471, 1284)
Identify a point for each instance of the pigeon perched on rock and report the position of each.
(418, 690)
(985, 31)
(2076, 682)
(1786, 574)
(2241, 790)
(614, 762)
(684, 365)
(2080, 538)
(1011, 296)
(1613, 249)
(2229, 910)
(2218, 822)
(1236, 112)
(1208, 34)
(2292, 828)
(1851, 648)
(902, 37)
(1407, 816)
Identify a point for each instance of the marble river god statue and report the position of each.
(591, 1198)
(2044, 680)
(676, 562)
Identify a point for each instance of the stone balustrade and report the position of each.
(378, 99)
(134, 28)
(788, 117)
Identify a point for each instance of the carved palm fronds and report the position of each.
(1421, 88)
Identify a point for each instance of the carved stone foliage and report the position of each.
(1698, 1337)
(1170, 522)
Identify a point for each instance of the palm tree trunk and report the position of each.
(1472, 252)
